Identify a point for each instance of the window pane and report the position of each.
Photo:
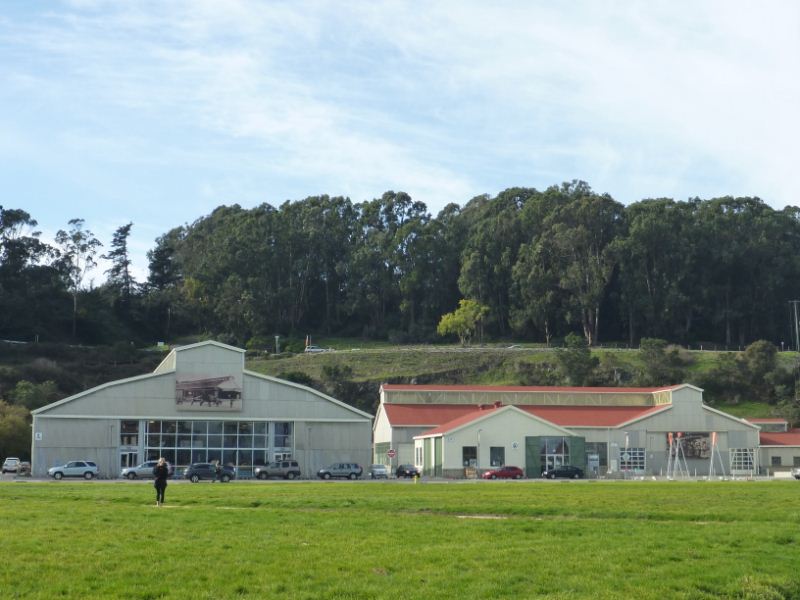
(497, 456)
(184, 457)
(215, 427)
(184, 427)
(129, 427)
(469, 456)
(230, 427)
(260, 427)
(200, 427)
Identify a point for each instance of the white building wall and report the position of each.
(506, 428)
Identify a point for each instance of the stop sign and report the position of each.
(391, 453)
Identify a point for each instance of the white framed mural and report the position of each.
(214, 394)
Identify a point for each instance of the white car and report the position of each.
(796, 472)
(315, 349)
(74, 468)
(10, 465)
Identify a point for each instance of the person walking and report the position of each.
(160, 472)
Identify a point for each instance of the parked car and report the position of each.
(10, 465)
(407, 471)
(312, 349)
(378, 472)
(507, 472)
(197, 471)
(74, 468)
(286, 469)
(564, 471)
(144, 470)
(348, 470)
(796, 472)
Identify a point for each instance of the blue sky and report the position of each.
(156, 112)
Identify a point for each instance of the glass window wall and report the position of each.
(239, 443)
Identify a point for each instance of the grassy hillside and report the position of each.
(368, 367)
(353, 371)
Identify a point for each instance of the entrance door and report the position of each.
(128, 459)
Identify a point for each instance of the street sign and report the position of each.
(391, 453)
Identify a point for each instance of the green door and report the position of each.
(533, 457)
(577, 452)
(437, 460)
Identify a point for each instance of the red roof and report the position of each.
(393, 387)
(591, 416)
(446, 417)
(768, 438)
(421, 415)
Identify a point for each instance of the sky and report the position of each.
(156, 112)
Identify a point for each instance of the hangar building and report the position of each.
(200, 404)
(460, 431)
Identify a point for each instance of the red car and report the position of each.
(504, 473)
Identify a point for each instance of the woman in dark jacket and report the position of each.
(160, 472)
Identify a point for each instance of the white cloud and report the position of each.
(194, 103)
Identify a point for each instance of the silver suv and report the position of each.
(10, 465)
(144, 470)
(74, 468)
(287, 469)
(348, 470)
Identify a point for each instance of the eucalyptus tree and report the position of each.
(119, 279)
(387, 228)
(575, 254)
(162, 295)
(491, 249)
(31, 290)
(78, 247)
(658, 263)
(745, 244)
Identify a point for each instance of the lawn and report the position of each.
(401, 540)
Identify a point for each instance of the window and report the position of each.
(469, 456)
(283, 435)
(129, 433)
(241, 443)
(742, 459)
(776, 461)
(632, 459)
(599, 449)
(497, 456)
(796, 461)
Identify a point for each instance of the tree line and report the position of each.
(544, 264)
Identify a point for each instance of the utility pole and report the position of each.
(795, 330)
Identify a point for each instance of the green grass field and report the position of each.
(401, 540)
